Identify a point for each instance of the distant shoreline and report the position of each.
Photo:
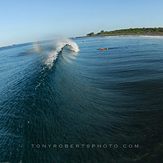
(129, 32)
(119, 36)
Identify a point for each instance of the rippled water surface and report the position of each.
(89, 97)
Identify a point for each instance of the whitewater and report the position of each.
(59, 45)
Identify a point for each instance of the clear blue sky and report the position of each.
(30, 20)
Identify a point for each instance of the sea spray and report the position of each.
(36, 47)
(60, 44)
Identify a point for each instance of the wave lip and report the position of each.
(71, 45)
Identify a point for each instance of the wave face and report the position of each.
(52, 93)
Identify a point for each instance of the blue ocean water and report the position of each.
(89, 97)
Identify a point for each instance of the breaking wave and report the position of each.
(59, 45)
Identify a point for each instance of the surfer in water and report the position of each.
(103, 49)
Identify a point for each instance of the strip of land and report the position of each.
(130, 31)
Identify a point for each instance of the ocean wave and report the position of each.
(59, 45)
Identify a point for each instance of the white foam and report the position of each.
(60, 44)
(156, 37)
